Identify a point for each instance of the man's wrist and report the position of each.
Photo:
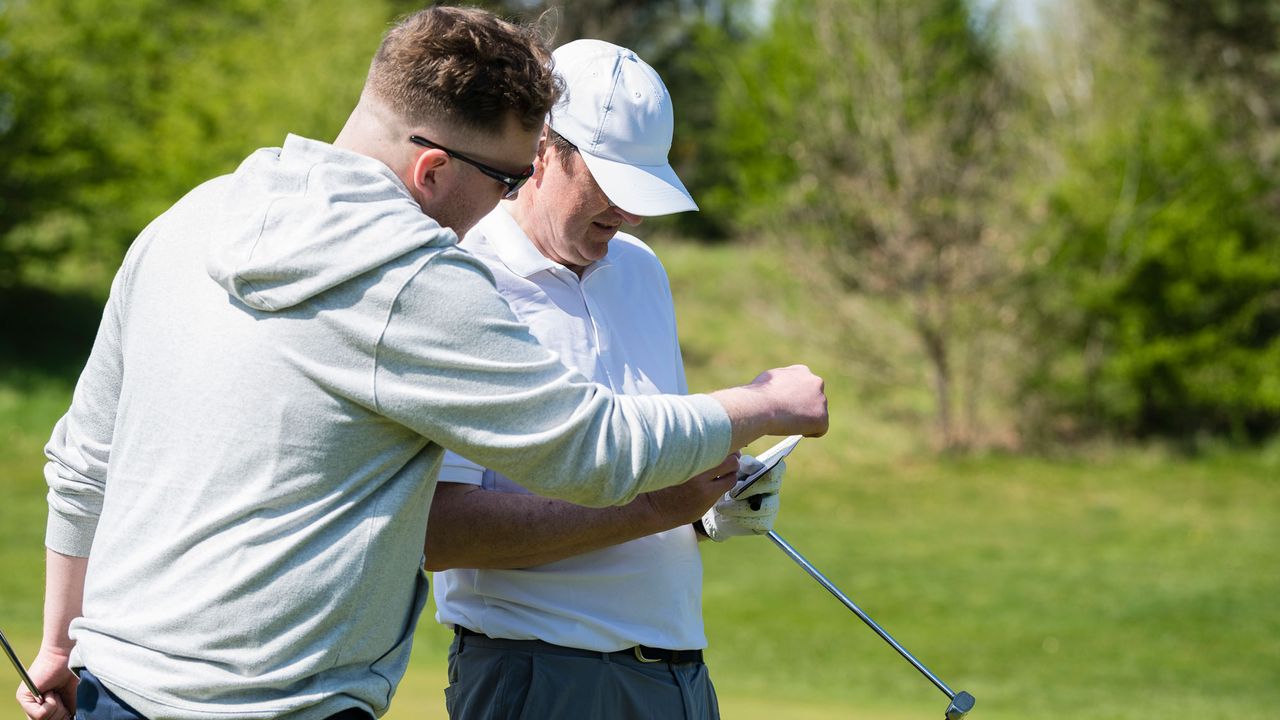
(752, 413)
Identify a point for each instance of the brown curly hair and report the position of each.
(467, 67)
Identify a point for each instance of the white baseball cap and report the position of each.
(618, 114)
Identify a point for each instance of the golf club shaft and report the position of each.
(22, 671)
(831, 588)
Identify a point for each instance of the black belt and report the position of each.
(643, 653)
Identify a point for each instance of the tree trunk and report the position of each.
(937, 350)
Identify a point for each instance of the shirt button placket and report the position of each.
(599, 335)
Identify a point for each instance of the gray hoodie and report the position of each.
(251, 450)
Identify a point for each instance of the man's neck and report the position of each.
(371, 130)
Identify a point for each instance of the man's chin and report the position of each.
(596, 251)
(458, 225)
(458, 219)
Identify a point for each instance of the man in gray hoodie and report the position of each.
(238, 494)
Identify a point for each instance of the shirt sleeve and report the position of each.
(670, 306)
(79, 451)
(454, 364)
(457, 469)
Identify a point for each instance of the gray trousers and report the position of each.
(492, 679)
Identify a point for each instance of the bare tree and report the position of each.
(902, 149)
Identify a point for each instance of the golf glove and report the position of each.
(754, 511)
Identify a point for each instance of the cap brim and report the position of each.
(640, 189)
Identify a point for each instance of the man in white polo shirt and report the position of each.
(566, 611)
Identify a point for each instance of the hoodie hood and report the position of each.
(305, 218)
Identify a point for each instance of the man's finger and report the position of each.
(724, 483)
(51, 709)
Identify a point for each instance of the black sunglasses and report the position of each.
(512, 182)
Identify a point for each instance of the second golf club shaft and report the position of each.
(822, 580)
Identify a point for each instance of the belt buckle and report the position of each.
(640, 656)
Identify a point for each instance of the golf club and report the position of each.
(961, 702)
(22, 671)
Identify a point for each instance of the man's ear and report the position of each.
(540, 160)
(428, 172)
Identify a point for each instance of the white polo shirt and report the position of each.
(617, 326)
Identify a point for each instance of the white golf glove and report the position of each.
(754, 511)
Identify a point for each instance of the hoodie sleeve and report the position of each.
(79, 450)
(455, 365)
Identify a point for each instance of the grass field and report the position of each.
(1120, 583)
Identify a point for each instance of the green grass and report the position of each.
(1118, 583)
(28, 409)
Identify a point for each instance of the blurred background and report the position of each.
(1034, 247)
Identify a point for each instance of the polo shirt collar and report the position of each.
(516, 250)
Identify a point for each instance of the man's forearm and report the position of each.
(63, 598)
(470, 527)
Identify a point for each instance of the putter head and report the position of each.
(960, 705)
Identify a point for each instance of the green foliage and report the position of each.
(112, 110)
(754, 89)
(1154, 293)
(1229, 47)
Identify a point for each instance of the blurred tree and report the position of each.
(111, 110)
(881, 134)
(1229, 47)
(1153, 302)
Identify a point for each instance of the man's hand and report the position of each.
(57, 683)
(799, 399)
(684, 503)
(782, 401)
(753, 512)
